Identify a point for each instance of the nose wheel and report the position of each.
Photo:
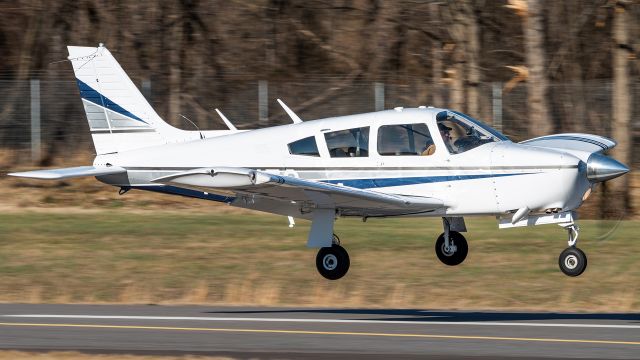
(333, 262)
(572, 261)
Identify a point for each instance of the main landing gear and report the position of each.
(451, 246)
(333, 262)
(572, 260)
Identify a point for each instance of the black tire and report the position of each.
(572, 261)
(452, 258)
(332, 262)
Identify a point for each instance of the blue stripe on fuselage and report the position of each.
(388, 182)
(90, 94)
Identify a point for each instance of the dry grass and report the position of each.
(73, 355)
(186, 258)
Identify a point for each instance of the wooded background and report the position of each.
(560, 66)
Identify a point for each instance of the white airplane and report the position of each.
(395, 163)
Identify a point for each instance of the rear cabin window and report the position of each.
(306, 147)
(405, 139)
(348, 143)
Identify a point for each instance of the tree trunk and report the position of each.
(618, 189)
(456, 86)
(472, 53)
(457, 56)
(539, 120)
(175, 68)
(436, 77)
(436, 58)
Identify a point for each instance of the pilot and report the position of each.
(445, 132)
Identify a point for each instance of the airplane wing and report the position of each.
(351, 201)
(578, 142)
(67, 173)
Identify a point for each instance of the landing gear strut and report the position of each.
(451, 246)
(572, 261)
(333, 262)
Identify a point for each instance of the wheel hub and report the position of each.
(448, 250)
(330, 262)
(571, 262)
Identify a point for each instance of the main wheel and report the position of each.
(572, 261)
(450, 256)
(332, 262)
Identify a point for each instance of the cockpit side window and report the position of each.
(348, 143)
(405, 139)
(461, 133)
(306, 147)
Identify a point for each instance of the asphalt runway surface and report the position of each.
(298, 333)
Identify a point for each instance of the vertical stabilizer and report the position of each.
(119, 116)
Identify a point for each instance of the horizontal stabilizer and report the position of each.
(67, 173)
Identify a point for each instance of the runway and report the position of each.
(294, 333)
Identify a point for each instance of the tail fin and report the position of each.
(119, 116)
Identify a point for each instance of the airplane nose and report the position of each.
(601, 168)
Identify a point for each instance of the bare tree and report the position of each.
(436, 56)
(175, 70)
(539, 119)
(531, 12)
(466, 34)
(621, 130)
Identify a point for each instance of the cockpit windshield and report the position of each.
(462, 133)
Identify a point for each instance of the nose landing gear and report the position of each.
(572, 260)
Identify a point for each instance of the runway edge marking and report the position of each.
(341, 333)
(329, 321)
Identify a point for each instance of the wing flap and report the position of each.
(67, 173)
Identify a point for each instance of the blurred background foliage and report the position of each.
(554, 66)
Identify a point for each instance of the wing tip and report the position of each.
(35, 175)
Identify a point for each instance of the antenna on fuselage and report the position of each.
(226, 121)
(194, 125)
(296, 119)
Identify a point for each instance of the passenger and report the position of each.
(429, 148)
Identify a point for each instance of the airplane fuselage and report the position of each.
(492, 179)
